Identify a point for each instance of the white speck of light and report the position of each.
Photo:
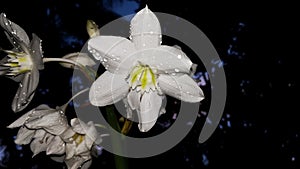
(293, 159)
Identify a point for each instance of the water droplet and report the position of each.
(20, 85)
(173, 74)
(176, 70)
(6, 23)
(144, 44)
(160, 36)
(179, 56)
(160, 42)
(151, 32)
(104, 60)
(166, 71)
(24, 93)
(97, 54)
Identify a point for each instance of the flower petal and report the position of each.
(91, 134)
(78, 126)
(86, 164)
(145, 29)
(77, 161)
(57, 146)
(70, 149)
(108, 89)
(182, 87)
(40, 144)
(24, 136)
(165, 60)
(36, 52)
(54, 122)
(67, 134)
(59, 159)
(149, 110)
(13, 29)
(134, 99)
(112, 51)
(26, 90)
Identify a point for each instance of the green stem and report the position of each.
(120, 162)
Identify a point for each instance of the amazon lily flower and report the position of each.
(47, 129)
(22, 62)
(42, 127)
(142, 71)
(80, 140)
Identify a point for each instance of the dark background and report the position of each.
(256, 42)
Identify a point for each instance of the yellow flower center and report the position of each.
(78, 138)
(142, 78)
(18, 62)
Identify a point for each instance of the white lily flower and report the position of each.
(22, 63)
(141, 70)
(42, 127)
(80, 140)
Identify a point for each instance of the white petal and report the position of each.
(145, 29)
(182, 87)
(13, 29)
(78, 126)
(70, 149)
(57, 146)
(24, 136)
(165, 60)
(128, 109)
(112, 51)
(20, 121)
(59, 159)
(26, 90)
(150, 109)
(91, 135)
(77, 161)
(108, 89)
(53, 122)
(81, 148)
(40, 144)
(66, 135)
(134, 99)
(86, 164)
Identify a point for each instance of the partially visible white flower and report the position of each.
(142, 71)
(80, 140)
(22, 63)
(51, 120)
(42, 127)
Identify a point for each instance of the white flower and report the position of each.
(141, 70)
(22, 62)
(80, 140)
(42, 127)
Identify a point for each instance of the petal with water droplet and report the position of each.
(182, 87)
(108, 89)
